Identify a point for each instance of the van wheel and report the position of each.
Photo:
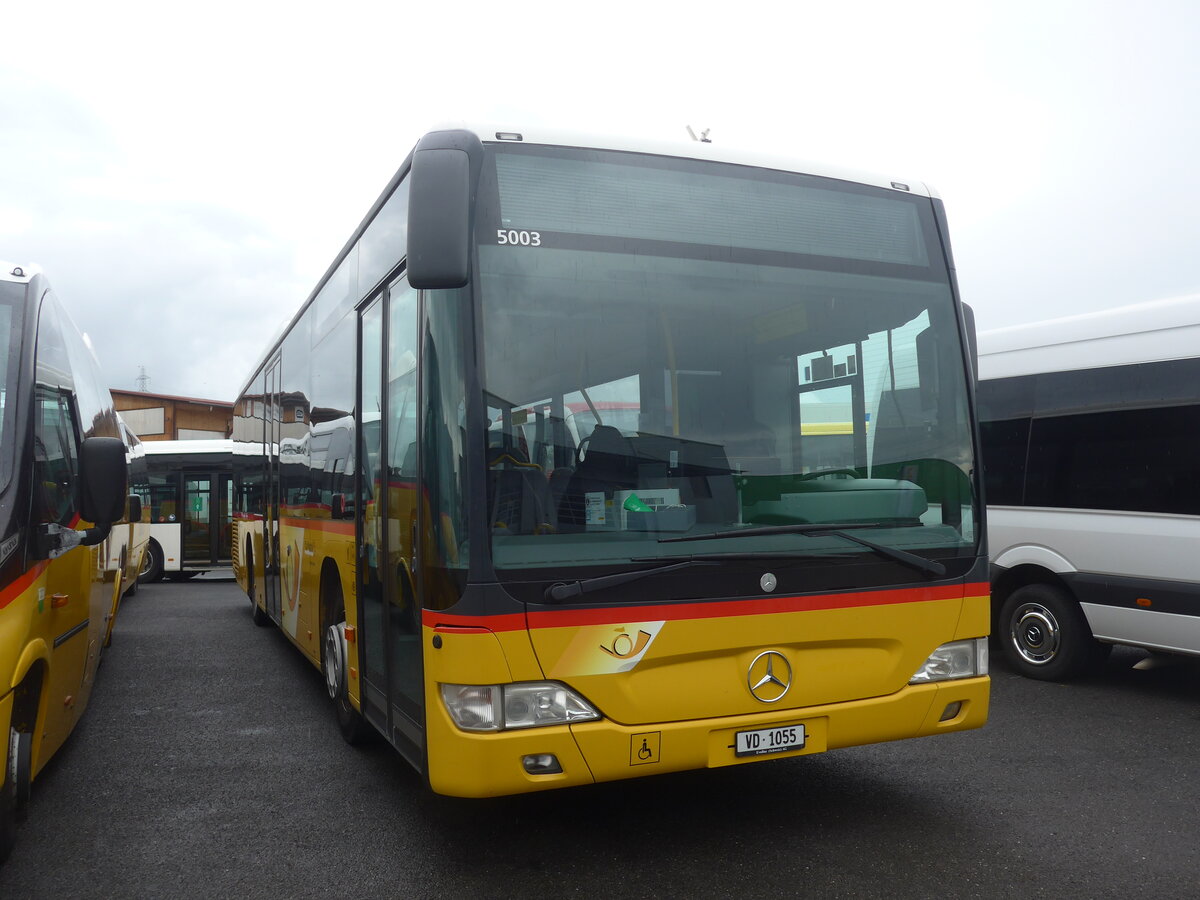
(1046, 636)
(152, 563)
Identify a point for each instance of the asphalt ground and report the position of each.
(209, 765)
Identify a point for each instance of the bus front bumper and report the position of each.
(465, 764)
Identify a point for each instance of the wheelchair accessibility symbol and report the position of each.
(644, 748)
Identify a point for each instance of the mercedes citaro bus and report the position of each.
(695, 579)
(70, 539)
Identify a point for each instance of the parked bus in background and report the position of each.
(63, 488)
(189, 498)
(518, 606)
(1089, 429)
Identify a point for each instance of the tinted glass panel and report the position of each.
(1171, 383)
(1003, 452)
(443, 482)
(55, 459)
(1005, 406)
(597, 194)
(1115, 437)
(1133, 459)
(385, 240)
(11, 299)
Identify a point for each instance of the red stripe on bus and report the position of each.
(22, 583)
(567, 618)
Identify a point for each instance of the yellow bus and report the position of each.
(517, 606)
(65, 455)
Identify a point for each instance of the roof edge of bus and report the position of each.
(195, 445)
(688, 149)
(1027, 348)
(700, 150)
(9, 271)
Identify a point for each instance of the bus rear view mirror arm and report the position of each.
(53, 540)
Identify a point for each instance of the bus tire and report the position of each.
(351, 724)
(257, 613)
(1045, 634)
(14, 792)
(152, 563)
(354, 728)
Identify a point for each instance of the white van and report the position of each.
(1090, 428)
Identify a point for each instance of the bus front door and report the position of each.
(389, 607)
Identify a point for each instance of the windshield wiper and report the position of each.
(920, 563)
(561, 591)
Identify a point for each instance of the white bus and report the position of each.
(190, 498)
(1089, 428)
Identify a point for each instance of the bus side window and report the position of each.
(55, 458)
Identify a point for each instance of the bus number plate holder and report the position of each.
(769, 740)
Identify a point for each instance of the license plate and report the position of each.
(769, 740)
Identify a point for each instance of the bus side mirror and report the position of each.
(134, 513)
(439, 207)
(103, 480)
(337, 506)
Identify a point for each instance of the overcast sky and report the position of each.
(185, 173)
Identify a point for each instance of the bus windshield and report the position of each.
(12, 300)
(681, 348)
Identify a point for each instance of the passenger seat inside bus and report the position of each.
(518, 493)
(607, 463)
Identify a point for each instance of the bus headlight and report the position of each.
(496, 707)
(958, 659)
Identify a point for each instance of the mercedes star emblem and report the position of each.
(769, 677)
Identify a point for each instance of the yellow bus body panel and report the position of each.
(66, 639)
(700, 667)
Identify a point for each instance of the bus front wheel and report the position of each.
(352, 725)
(1046, 636)
(14, 793)
(334, 663)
